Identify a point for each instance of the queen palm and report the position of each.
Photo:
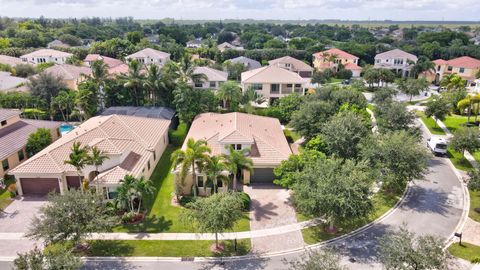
(133, 80)
(238, 161)
(78, 158)
(231, 94)
(99, 71)
(126, 193)
(215, 168)
(96, 158)
(154, 85)
(192, 158)
(143, 187)
(184, 71)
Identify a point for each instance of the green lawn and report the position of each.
(466, 251)
(291, 135)
(474, 203)
(5, 198)
(455, 121)
(430, 123)
(459, 161)
(164, 248)
(162, 215)
(382, 203)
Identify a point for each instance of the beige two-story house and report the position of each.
(466, 67)
(397, 61)
(46, 56)
(294, 65)
(149, 56)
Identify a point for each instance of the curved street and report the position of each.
(432, 206)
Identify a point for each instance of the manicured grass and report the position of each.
(5, 198)
(164, 248)
(162, 215)
(291, 135)
(466, 251)
(455, 121)
(382, 202)
(430, 123)
(458, 160)
(474, 203)
(178, 136)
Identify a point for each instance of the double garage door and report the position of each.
(39, 186)
(262, 175)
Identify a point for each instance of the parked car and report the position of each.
(437, 145)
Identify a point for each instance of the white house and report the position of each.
(46, 56)
(215, 78)
(396, 60)
(149, 56)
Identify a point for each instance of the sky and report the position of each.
(438, 10)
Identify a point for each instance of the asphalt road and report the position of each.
(433, 206)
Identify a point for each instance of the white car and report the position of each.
(437, 145)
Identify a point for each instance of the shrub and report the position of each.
(12, 188)
(178, 136)
(475, 260)
(344, 74)
(23, 70)
(128, 217)
(245, 200)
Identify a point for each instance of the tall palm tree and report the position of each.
(133, 81)
(143, 187)
(215, 168)
(78, 158)
(192, 158)
(231, 94)
(184, 71)
(96, 158)
(99, 76)
(238, 161)
(423, 64)
(453, 82)
(154, 86)
(126, 193)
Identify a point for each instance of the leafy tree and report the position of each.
(78, 158)
(438, 107)
(453, 82)
(71, 216)
(192, 159)
(65, 103)
(134, 37)
(308, 120)
(238, 161)
(334, 189)
(287, 105)
(384, 95)
(86, 99)
(24, 70)
(342, 133)
(275, 44)
(234, 70)
(394, 116)
(412, 87)
(214, 214)
(70, 40)
(316, 260)
(38, 140)
(190, 102)
(133, 81)
(231, 95)
(466, 139)
(46, 86)
(474, 181)
(405, 250)
(288, 169)
(398, 157)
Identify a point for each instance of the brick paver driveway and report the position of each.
(271, 208)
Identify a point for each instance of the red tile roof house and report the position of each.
(115, 66)
(14, 132)
(262, 135)
(330, 59)
(465, 66)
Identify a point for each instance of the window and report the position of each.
(274, 88)
(461, 70)
(377, 61)
(449, 68)
(4, 123)
(438, 68)
(148, 165)
(213, 84)
(236, 146)
(257, 86)
(21, 155)
(199, 181)
(5, 165)
(112, 192)
(198, 84)
(398, 61)
(289, 85)
(298, 85)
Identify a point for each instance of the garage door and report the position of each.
(262, 175)
(39, 186)
(73, 182)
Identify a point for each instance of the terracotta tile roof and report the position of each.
(46, 53)
(68, 72)
(113, 134)
(464, 62)
(270, 146)
(117, 70)
(110, 62)
(212, 74)
(150, 53)
(272, 74)
(334, 51)
(440, 62)
(297, 65)
(352, 66)
(396, 53)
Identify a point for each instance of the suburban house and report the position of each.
(133, 144)
(57, 44)
(396, 60)
(10, 83)
(115, 66)
(215, 78)
(228, 46)
(465, 67)
(72, 75)
(273, 82)
(263, 136)
(332, 58)
(9, 60)
(14, 133)
(149, 56)
(195, 43)
(148, 112)
(294, 65)
(247, 62)
(46, 56)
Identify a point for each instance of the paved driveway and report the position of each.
(271, 208)
(19, 213)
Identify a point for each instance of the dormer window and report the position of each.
(237, 146)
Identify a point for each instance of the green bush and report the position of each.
(128, 217)
(245, 200)
(178, 136)
(476, 260)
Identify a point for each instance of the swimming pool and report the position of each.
(65, 128)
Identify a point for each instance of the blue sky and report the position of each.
(244, 9)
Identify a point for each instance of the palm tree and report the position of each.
(126, 193)
(453, 82)
(192, 158)
(64, 102)
(143, 187)
(96, 158)
(184, 71)
(238, 161)
(215, 168)
(231, 94)
(133, 80)
(423, 64)
(78, 158)
(154, 85)
(99, 76)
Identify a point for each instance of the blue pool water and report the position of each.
(65, 128)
